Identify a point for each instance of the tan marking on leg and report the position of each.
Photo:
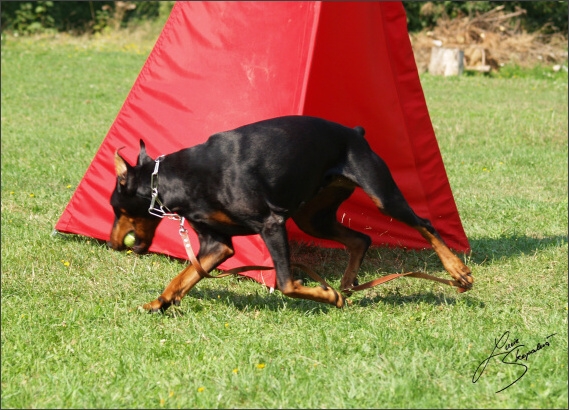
(294, 289)
(356, 249)
(177, 288)
(185, 281)
(453, 265)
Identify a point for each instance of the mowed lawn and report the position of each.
(72, 335)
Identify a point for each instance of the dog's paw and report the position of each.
(465, 278)
(157, 305)
(459, 272)
(331, 296)
(339, 299)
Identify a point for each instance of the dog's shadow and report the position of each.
(394, 299)
(263, 300)
(488, 249)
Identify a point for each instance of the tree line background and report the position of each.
(80, 17)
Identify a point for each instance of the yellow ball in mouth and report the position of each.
(129, 240)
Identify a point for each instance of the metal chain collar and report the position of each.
(162, 211)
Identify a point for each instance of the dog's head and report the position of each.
(130, 201)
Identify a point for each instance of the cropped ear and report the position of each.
(143, 157)
(121, 168)
(125, 174)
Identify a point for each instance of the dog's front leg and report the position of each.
(211, 254)
(275, 236)
(182, 283)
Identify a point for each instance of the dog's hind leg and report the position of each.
(275, 236)
(212, 253)
(318, 218)
(376, 180)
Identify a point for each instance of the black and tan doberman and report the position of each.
(250, 180)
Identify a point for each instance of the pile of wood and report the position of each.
(489, 41)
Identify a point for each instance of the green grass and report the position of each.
(542, 72)
(72, 335)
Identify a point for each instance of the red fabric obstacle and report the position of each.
(220, 65)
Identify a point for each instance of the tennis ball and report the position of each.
(129, 240)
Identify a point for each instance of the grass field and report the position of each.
(72, 335)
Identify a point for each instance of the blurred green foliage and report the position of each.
(550, 16)
(78, 16)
